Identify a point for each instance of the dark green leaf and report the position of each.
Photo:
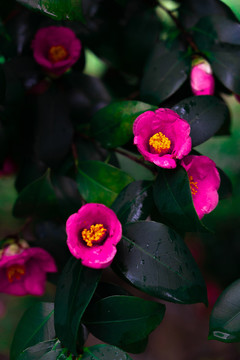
(134, 169)
(38, 198)
(225, 190)
(166, 71)
(191, 11)
(173, 198)
(57, 9)
(75, 289)
(205, 114)
(35, 326)
(134, 202)
(104, 352)
(225, 317)
(68, 198)
(155, 259)
(123, 320)
(47, 350)
(112, 125)
(137, 347)
(224, 59)
(214, 29)
(99, 182)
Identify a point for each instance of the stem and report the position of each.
(181, 28)
(137, 160)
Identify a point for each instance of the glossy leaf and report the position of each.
(57, 9)
(104, 352)
(100, 183)
(123, 320)
(166, 71)
(47, 350)
(112, 125)
(225, 190)
(75, 289)
(134, 169)
(191, 11)
(224, 59)
(155, 259)
(134, 202)
(225, 317)
(173, 198)
(213, 29)
(37, 198)
(35, 326)
(205, 114)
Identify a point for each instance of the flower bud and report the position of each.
(202, 80)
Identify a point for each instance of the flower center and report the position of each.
(95, 234)
(15, 272)
(193, 185)
(57, 53)
(159, 143)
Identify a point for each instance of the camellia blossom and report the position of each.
(23, 269)
(204, 182)
(202, 80)
(162, 137)
(56, 49)
(92, 235)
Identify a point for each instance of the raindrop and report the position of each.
(142, 262)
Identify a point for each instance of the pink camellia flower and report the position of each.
(56, 49)
(202, 80)
(204, 182)
(23, 269)
(162, 137)
(93, 233)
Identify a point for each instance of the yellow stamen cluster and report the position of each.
(193, 185)
(57, 53)
(94, 234)
(15, 272)
(160, 142)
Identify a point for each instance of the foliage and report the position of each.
(71, 139)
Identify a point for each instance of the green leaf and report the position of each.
(191, 11)
(225, 190)
(47, 350)
(166, 71)
(104, 352)
(57, 9)
(112, 125)
(123, 320)
(75, 289)
(38, 198)
(205, 114)
(134, 169)
(134, 202)
(224, 59)
(155, 259)
(225, 317)
(173, 198)
(100, 183)
(215, 28)
(35, 326)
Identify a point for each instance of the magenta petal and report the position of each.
(97, 256)
(50, 36)
(204, 172)
(36, 261)
(169, 123)
(202, 80)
